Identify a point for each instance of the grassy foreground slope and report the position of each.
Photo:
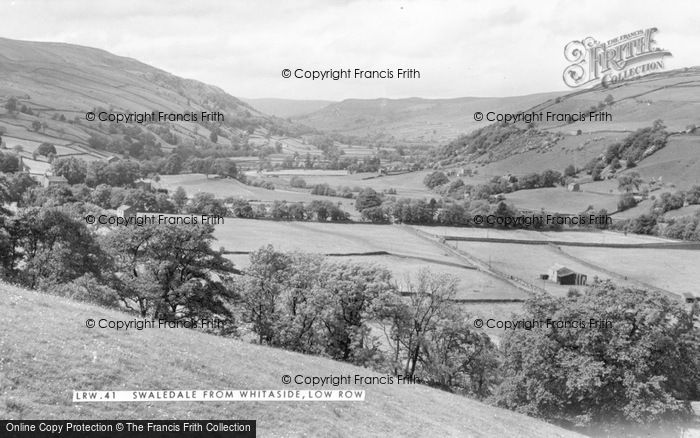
(46, 352)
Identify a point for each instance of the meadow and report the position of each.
(673, 270)
(527, 262)
(601, 237)
(407, 252)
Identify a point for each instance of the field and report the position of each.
(559, 200)
(602, 237)
(527, 262)
(37, 383)
(669, 269)
(222, 188)
(408, 253)
(678, 163)
(409, 185)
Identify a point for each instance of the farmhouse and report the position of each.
(565, 276)
(574, 187)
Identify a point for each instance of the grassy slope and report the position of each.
(424, 121)
(48, 352)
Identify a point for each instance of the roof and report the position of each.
(124, 207)
(56, 178)
(562, 271)
(565, 272)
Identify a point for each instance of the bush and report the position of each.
(626, 202)
(88, 289)
(435, 179)
(297, 182)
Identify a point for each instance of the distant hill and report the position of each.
(56, 84)
(673, 97)
(49, 352)
(414, 120)
(286, 108)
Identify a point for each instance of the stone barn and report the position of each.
(565, 276)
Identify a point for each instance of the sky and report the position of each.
(461, 48)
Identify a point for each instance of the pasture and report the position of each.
(559, 200)
(601, 237)
(673, 270)
(407, 252)
(194, 183)
(527, 262)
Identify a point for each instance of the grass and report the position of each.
(602, 237)
(559, 200)
(413, 252)
(527, 262)
(194, 183)
(670, 269)
(409, 185)
(49, 353)
(325, 238)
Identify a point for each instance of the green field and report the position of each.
(49, 352)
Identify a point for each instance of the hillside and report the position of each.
(54, 85)
(38, 382)
(285, 108)
(415, 120)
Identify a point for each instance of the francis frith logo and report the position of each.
(625, 57)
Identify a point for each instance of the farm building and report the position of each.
(574, 187)
(144, 184)
(126, 211)
(53, 180)
(563, 275)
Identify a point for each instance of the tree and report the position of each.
(46, 148)
(456, 358)
(570, 171)
(629, 181)
(626, 202)
(170, 272)
(180, 198)
(224, 167)
(71, 168)
(262, 287)
(52, 248)
(206, 203)
(367, 198)
(11, 105)
(9, 163)
(636, 360)
(435, 179)
(297, 182)
(429, 297)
